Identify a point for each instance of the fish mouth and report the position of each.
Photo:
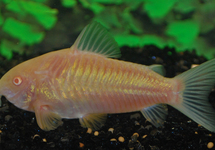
(6, 92)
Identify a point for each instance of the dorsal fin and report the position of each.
(95, 38)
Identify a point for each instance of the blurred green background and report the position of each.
(45, 25)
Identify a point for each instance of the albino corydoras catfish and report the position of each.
(84, 82)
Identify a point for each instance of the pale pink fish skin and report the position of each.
(90, 83)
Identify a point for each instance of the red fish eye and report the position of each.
(17, 80)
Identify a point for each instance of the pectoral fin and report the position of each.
(93, 121)
(155, 114)
(47, 119)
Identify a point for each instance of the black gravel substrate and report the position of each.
(19, 130)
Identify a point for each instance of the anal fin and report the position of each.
(93, 121)
(155, 114)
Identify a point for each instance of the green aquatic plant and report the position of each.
(182, 24)
(23, 24)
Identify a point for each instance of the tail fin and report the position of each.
(198, 83)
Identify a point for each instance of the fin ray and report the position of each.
(194, 103)
(95, 38)
(46, 119)
(155, 114)
(93, 121)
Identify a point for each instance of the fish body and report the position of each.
(83, 82)
(88, 83)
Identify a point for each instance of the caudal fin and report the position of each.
(198, 83)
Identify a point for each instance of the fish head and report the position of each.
(18, 86)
